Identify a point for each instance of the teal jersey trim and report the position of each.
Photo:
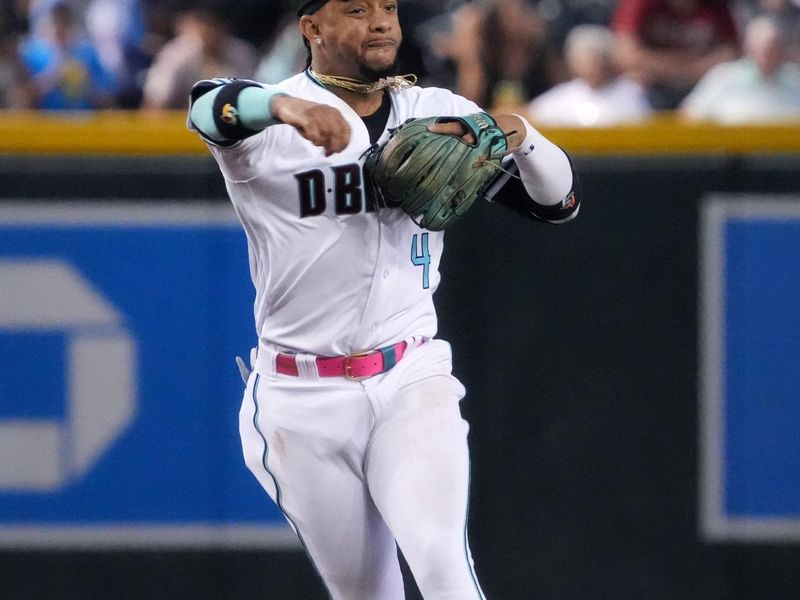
(314, 79)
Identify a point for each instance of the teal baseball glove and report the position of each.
(436, 177)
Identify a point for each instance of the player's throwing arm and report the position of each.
(227, 111)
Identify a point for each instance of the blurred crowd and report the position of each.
(563, 62)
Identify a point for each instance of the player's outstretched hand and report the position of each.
(320, 124)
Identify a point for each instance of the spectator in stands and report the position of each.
(255, 21)
(502, 53)
(65, 69)
(564, 15)
(202, 49)
(760, 87)
(286, 54)
(117, 30)
(16, 90)
(597, 95)
(668, 45)
(785, 12)
(436, 40)
(38, 14)
(10, 68)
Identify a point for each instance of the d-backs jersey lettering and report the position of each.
(334, 273)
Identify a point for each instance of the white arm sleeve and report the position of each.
(544, 168)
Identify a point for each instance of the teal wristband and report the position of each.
(255, 107)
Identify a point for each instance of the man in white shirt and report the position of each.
(597, 96)
(761, 87)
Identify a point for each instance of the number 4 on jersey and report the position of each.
(421, 257)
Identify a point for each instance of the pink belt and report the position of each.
(355, 366)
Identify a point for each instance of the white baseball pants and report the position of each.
(356, 465)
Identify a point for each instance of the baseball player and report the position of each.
(350, 418)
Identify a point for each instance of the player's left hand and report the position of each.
(434, 168)
(509, 124)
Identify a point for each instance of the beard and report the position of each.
(372, 74)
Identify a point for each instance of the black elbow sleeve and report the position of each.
(513, 195)
(225, 109)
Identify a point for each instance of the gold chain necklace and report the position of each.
(395, 83)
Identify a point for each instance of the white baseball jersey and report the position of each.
(334, 274)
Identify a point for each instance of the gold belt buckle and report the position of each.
(348, 367)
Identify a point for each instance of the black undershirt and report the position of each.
(376, 122)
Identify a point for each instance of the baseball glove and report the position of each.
(435, 177)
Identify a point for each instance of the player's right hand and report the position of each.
(320, 124)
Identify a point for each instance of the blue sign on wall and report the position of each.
(750, 369)
(119, 394)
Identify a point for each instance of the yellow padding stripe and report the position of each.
(154, 133)
(105, 132)
(668, 135)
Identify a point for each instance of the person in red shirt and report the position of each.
(668, 45)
